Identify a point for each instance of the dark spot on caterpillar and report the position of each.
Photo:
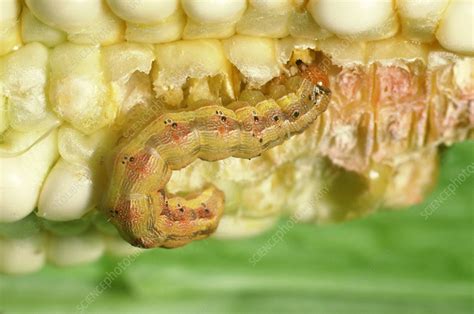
(275, 118)
(174, 125)
(255, 118)
(261, 140)
(123, 162)
(223, 119)
(299, 62)
(296, 114)
(181, 209)
(132, 159)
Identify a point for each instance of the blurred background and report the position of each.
(389, 262)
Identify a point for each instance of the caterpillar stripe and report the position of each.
(136, 200)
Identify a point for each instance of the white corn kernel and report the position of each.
(212, 18)
(23, 79)
(21, 178)
(109, 30)
(127, 67)
(21, 255)
(85, 21)
(122, 60)
(343, 51)
(10, 38)
(143, 11)
(14, 143)
(86, 150)
(420, 18)
(167, 30)
(71, 15)
(9, 26)
(189, 58)
(266, 19)
(214, 11)
(194, 30)
(254, 57)
(10, 11)
(421, 9)
(77, 87)
(356, 19)
(76, 147)
(33, 30)
(69, 192)
(302, 25)
(75, 250)
(396, 49)
(456, 29)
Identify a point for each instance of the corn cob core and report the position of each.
(74, 73)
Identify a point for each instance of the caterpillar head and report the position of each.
(310, 98)
(320, 90)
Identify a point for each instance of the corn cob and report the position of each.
(73, 74)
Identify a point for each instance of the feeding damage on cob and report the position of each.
(136, 200)
(75, 75)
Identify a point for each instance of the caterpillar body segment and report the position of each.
(136, 200)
